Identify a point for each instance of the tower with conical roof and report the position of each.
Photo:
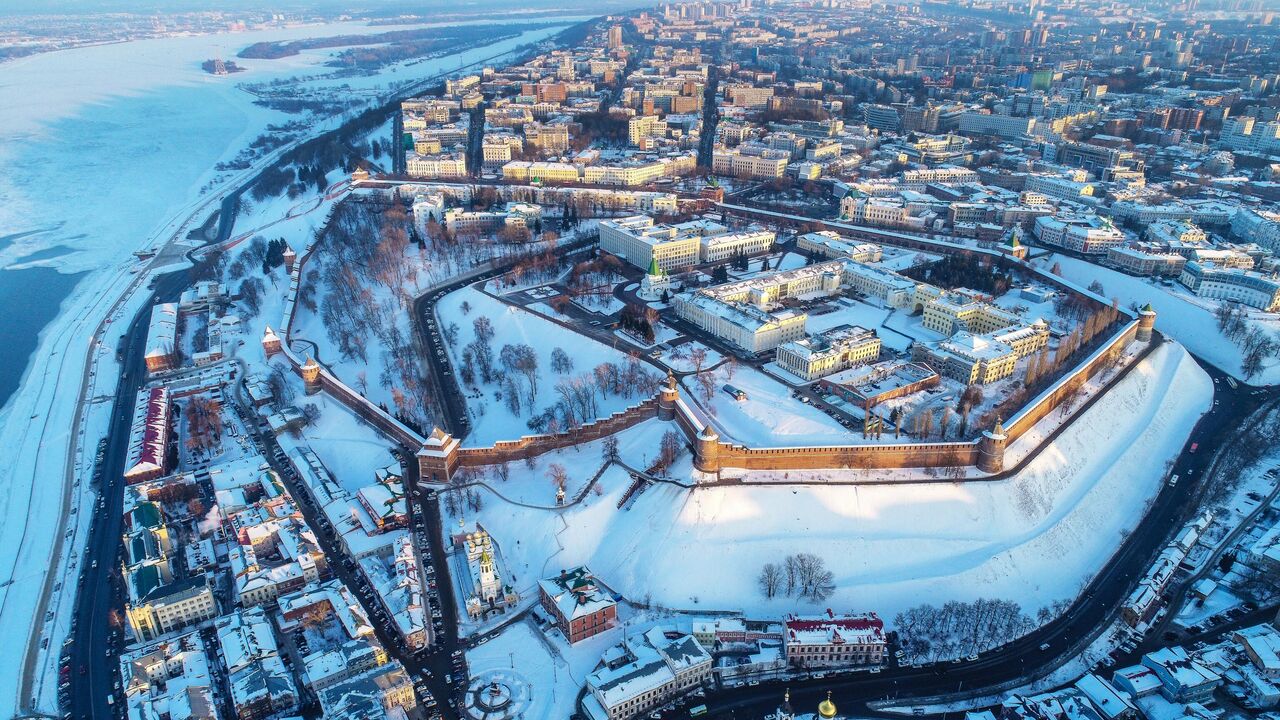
(1146, 323)
(706, 455)
(655, 282)
(438, 458)
(991, 448)
(270, 342)
(668, 398)
(310, 372)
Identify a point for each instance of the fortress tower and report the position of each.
(1146, 323)
(668, 398)
(310, 372)
(991, 449)
(270, 342)
(438, 458)
(706, 451)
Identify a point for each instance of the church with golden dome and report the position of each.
(826, 710)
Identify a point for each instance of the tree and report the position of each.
(609, 449)
(521, 359)
(698, 358)
(668, 449)
(770, 580)
(706, 386)
(483, 329)
(561, 363)
(558, 475)
(791, 569)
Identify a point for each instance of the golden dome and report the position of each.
(826, 708)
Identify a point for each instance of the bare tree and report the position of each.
(561, 363)
(558, 475)
(668, 449)
(698, 357)
(771, 580)
(609, 449)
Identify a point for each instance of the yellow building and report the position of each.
(839, 348)
(951, 312)
(160, 609)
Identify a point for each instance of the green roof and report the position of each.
(145, 579)
(147, 514)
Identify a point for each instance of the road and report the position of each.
(433, 664)
(99, 595)
(94, 676)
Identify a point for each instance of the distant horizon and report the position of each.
(55, 7)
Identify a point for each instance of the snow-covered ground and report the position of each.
(1185, 319)
(492, 420)
(1035, 539)
(769, 417)
(159, 125)
(348, 447)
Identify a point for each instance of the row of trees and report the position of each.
(592, 281)
(364, 247)
(1257, 347)
(803, 575)
(957, 629)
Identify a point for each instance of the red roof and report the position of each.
(150, 435)
(858, 622)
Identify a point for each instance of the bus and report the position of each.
(698, 711)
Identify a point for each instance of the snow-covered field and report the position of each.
(1035, 539)
(1190, 323)
(148, 127)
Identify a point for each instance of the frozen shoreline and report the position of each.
(131, 185)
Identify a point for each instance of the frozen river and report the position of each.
(100, 145)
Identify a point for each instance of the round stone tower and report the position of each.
(667, 398)
(310, 372)
(1146, 323)
(991, 449)
(706, 451)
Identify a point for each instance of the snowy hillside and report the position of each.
(1035, 539)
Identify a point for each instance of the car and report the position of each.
(972, 658)
(753, 683)
(875, 669)
(448, 679)
(1044, 646)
